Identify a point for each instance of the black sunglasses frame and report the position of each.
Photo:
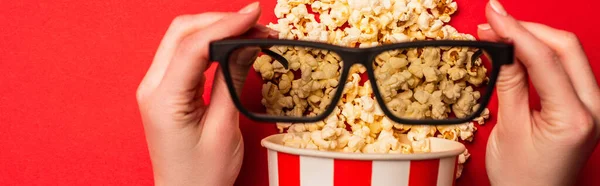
(500, 54)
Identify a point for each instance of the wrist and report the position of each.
(528, 181)
(158, 181)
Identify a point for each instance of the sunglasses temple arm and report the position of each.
(476, 56)
(276, 56)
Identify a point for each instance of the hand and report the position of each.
(550, 146)
(192, 143)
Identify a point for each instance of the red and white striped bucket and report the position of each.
(290, 166)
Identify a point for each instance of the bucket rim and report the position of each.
(452, 149)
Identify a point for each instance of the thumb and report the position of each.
(537, 59)
(221, 108)
(221, 105)
(512, 84)
(239, 64)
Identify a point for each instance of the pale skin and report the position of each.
(192, 143)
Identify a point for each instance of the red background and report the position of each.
(69, 71)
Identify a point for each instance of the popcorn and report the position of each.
(395, 38)
(456, 73)
(367, 45)
(415, 6)
(418, 136)
(317, 32)
(416, 110)
(479, 77)
(299, 140)
(281, 9)
(285, 84)
(397, 63)
(297, 128)
(466, 131)
(451, 90)
(439, 110)
(386, 18)
(464, 105)
(264, 66)
(421, 96)
(450, 9)
(298, 13)
(283, 126)
(344, 139)
(431, 74)
(418, 83)
(337, 37)
(484, 115)
(402, 128)
(385, 143)
(339, 15)
(462, 158)
(355, 143)
(322, 142)
(448, 132)
(424, 20)
(353, 35)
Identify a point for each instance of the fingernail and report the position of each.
(249, 8)
(264, 29)
(247, 56)
(484, 26)
(497, 7)
(271, 33)
(274, 34)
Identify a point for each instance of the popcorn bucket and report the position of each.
(290, 166)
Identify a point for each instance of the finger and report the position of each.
(573, 60)
(544, 70)
(264, 29)
(191, 58)
(179, 28)
(260, 31)
(254, 33)
(512, 84)
(221, 105)
(239, 63)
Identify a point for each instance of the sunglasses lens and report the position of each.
(290, 81)
(432, 83)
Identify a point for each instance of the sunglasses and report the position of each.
(440, 82)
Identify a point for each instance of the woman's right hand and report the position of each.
(550, 146)
(191, 142)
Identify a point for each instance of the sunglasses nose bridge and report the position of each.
(357, 57)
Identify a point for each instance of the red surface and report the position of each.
(288, 167)
(69, 71)
(359, 171)
(423, 173)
